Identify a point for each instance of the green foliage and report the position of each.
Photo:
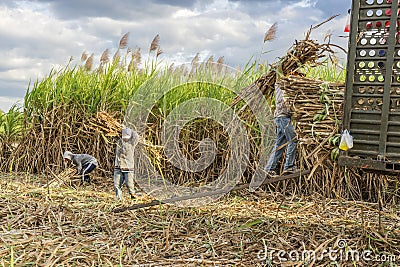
(11, 126)
(329, 71)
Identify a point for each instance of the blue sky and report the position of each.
(37, 36)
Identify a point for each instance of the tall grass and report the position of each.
(329, 71)
(76, 88)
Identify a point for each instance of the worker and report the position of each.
(285, 134)
(84, 163)
(124, 162)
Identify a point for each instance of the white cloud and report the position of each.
(7, 102)
(184, 13)
(305, 3)
(220, 5)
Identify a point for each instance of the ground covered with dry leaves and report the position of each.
(75, 226)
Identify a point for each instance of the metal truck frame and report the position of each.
(372, 96)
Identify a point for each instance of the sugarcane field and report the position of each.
(128, 163)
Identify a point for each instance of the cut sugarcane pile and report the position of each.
(317, 107)
(106, 124)
(303, 52)
(65, 177)
(109, 125)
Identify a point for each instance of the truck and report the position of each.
(371, 110)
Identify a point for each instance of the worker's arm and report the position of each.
(135, 138)
(79, 166)
(77, 161)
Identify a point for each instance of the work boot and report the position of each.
(86, 178)
(290, 170)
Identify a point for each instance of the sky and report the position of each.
(41, 35)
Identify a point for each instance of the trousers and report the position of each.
(285, 133)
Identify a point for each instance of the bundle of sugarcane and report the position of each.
(63, 177)
(106, 124)
(316, 106)
(68, 173)
(303, 52)
(109, 125)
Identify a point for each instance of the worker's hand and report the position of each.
(66, 162)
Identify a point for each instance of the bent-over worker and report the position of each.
(84, 163)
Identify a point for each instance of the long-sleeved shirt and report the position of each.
(281, 108)
(81, 160)
(124, 155)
